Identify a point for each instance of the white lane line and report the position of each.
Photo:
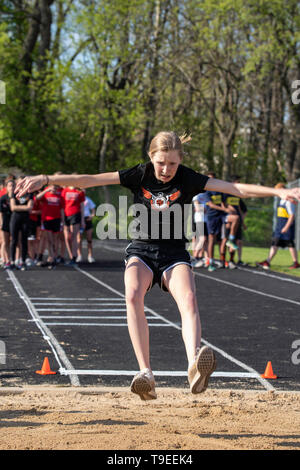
(161, 373)
(58, 351)
(267, 274)
(81, 309)
(98, 324)
(263, 382)
(89, 317)
(77, 298)
(77, 304)
(253, 291)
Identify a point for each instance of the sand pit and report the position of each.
(36, 418)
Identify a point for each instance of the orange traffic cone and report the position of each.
(45, 368)
(269, 374)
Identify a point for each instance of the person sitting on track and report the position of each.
(284, 234)
(161, 183)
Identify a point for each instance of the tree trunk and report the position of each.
(103, 141)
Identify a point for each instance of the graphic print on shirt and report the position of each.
(161, 201)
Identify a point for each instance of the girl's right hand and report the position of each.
(29, 184)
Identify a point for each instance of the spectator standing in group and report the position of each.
(5, 216)
(239, 207)
(52, 205)
(34, 232)
(19, 223)
(73, 219)
(218, 215)
(89, 213)
(200, 229)
(2, 193)
(284, 233)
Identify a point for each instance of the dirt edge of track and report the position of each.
(112, 418)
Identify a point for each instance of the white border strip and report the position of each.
(58, 351)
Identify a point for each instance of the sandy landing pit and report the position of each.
(114, 419)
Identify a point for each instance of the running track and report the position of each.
(77, 317)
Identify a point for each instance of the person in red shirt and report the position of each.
(74, 219)
(51, 215)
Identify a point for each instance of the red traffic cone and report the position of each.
(45, 368)
(269, 374)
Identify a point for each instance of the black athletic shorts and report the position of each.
(32, 227)
(51, 225)
(5, 223)
(159, 258)
(88, 224)
(283, 243)
(73, 219)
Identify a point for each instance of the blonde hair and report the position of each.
(280, 185)
(168, 140)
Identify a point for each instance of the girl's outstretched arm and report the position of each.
(252, 190)
(30, 184)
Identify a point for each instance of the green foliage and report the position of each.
(259, 223)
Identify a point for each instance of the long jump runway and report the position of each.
(77, 318)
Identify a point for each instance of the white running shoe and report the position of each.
(231, 265)
(143, 384)
(79, 259)
(91, 259)
(201, 369)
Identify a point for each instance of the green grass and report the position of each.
(280, 263)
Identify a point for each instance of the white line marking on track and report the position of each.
(261, 273)
(263, 382)
(99, 324)
(253, 291)
(77, 304)
(111, 317)
(77, 298)
(161, 373)
(58, 351)
(81, 309)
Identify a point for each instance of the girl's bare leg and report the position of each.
(181, 285)
(137, 280)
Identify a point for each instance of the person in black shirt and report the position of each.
(19, 222)
(5, 216)
(161, 188)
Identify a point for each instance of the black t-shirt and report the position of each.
(5, 205)
(161, 209)
(22, 201)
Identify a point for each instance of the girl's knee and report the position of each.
(133, 295)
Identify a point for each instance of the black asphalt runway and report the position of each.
(76, 317)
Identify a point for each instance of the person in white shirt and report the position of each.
(200, 227)
(89, 213)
